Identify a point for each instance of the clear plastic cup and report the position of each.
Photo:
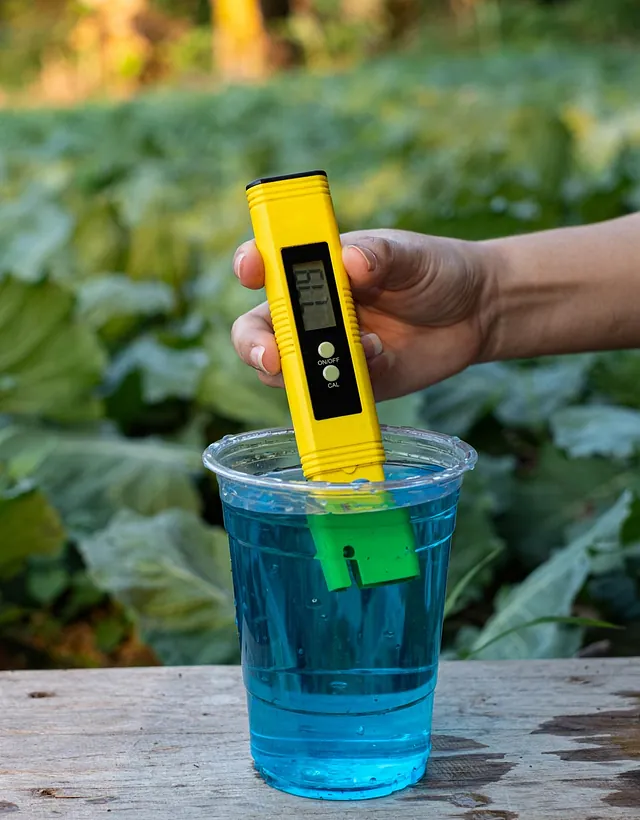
(339, 684)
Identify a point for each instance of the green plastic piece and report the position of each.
(373, 548)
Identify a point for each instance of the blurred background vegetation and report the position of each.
(128, 131)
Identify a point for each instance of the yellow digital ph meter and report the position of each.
(327, 379)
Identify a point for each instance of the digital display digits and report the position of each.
(314, 295)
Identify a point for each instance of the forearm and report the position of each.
(565, 291)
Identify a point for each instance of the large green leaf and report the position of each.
(218, 296)
(554, 497)
(233, 390)
(566, 643)
(98, 239)
(534, 393)
(518, 396)
(617, 375)
(32, 229)
(28, 526)
(90, 477)
(166, 373)
(455, 405)
(597, 430)
(145, 186)
(50, 363)
(174, 574)
(549, 591)
(115, 296)
(158, 250)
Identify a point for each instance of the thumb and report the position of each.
(389, 260)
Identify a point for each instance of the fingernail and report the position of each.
(367, 255)
(372, 345)
(256, 356)
(237, 264)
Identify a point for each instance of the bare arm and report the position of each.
(565, 291)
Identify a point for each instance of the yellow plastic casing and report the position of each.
(340, 441)
(295, 211)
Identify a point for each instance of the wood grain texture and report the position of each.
(513, 741)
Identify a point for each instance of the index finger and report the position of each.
(248, 266)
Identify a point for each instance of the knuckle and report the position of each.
(385, 251)
(237, 331)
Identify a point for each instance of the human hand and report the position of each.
(424, 305)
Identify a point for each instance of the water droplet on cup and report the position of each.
(338, 685)
(300, 651)
(389, 634)
(360, 730)
(372, 780)
(314, 603)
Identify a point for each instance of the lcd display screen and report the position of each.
(314, 295)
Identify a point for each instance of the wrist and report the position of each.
(531, 303)
(492, 265)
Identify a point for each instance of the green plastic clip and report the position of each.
(372, 548)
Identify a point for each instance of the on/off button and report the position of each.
(326, 350)
(331, 373)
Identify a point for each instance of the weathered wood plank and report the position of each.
(513, 741)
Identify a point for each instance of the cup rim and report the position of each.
(467, 458)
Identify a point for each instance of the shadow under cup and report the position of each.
(339, 684)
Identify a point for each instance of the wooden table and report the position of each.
(513, 741)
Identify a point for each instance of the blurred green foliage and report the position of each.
(117, 228)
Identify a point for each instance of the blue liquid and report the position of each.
(339, 684)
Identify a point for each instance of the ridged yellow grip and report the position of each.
(294, 212)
